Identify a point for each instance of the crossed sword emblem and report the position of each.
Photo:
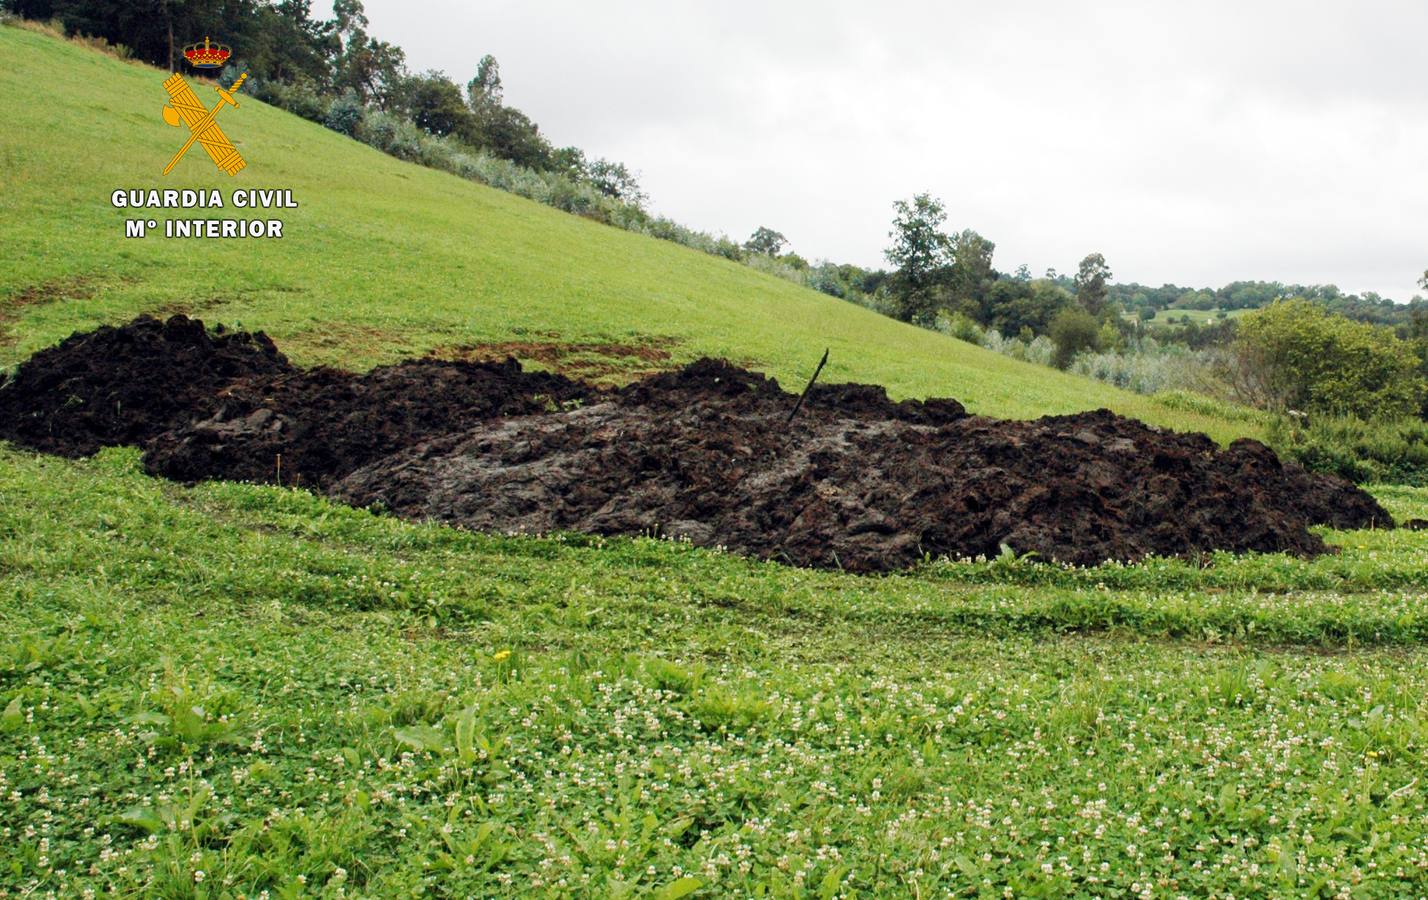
(202, 123)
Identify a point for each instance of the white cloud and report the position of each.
(1192, 143)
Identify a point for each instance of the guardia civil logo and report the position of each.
(185, 107)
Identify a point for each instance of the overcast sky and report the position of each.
(1194, 143)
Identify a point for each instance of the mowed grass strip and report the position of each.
(157, 541)
(385, 259)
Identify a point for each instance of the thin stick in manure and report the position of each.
(799, 405)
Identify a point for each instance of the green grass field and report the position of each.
(1168, 317)
(238, 691)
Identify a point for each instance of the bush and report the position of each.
(391, 134)
(298, 97)
(1361, 451)
(729, 249)
(1073, 331)
(1192, 402)
(1150, 368)
(344, 114)
(1037, 349)
(118, 51)
(1316, 361)
(777, 267)
(960, 326)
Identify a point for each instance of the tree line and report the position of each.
(1301, 348)
(946, 279)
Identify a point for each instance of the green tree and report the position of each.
(570, 161)
(284, 43)
(614, 179)
(153, 30)
(970, 275)
(920, 251)
(1417, 325)
(510, 134)
(363, 65)
(1091, 281)
(1310, 359)
(766, 241)
(433, 102)
(484, 92)
(1072, 331)
(1198, 300)
(1013, 306)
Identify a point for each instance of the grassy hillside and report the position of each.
(385, 258)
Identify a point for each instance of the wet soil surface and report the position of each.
(311, 427)
(706, 453)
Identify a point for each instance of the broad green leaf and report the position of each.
(422, 737)
(142, 817)
(13, 715)
(681, 887)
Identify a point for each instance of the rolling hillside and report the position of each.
(385, 259)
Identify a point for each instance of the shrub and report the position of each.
(94, 42)
(1361, 451)
(1073, 331)
(781, 269)
(993, 340)
(299, 97)
(829, 279)
(344, 113)
(960, 326)
(1190, 401)
(391, 134)
(1038, 349)
(1148, 370)
(729, 249)
(1316, 361)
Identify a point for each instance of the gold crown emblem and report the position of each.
(206, 55)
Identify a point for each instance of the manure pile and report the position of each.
(705, 453)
